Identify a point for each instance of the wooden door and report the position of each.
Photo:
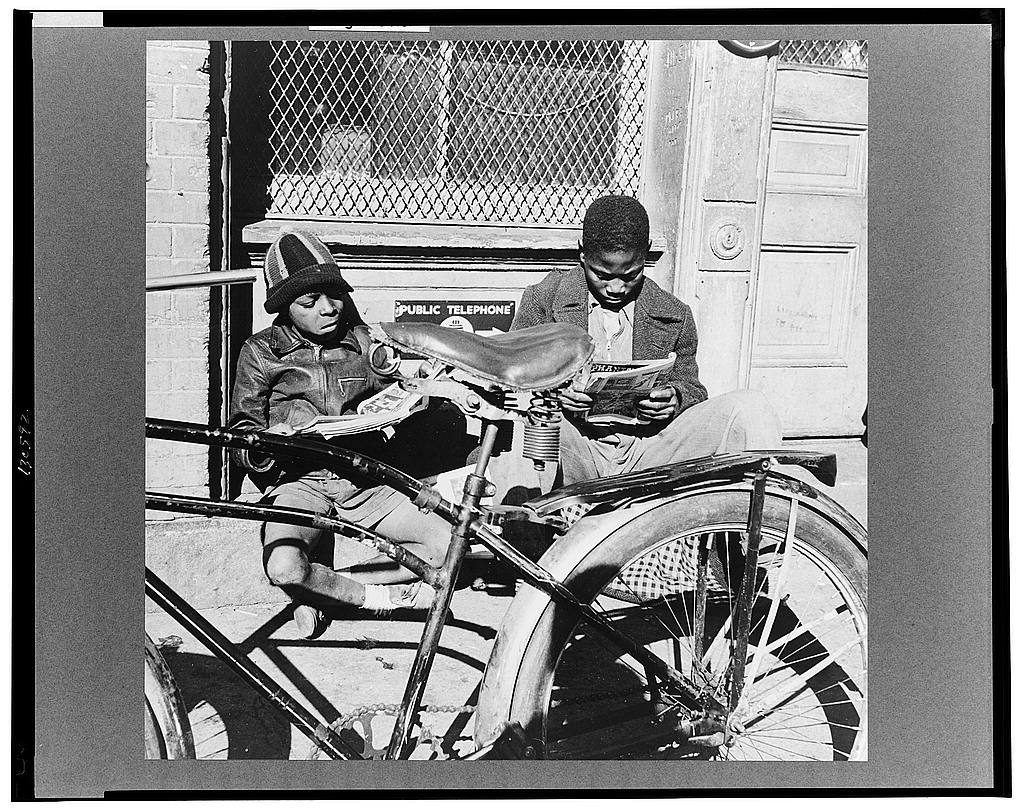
(808, 335)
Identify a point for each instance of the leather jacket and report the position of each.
(281, 376)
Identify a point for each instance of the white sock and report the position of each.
(376, 597)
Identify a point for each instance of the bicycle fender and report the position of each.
(662, 480)
(524, 614)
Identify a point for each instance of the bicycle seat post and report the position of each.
(476, 487)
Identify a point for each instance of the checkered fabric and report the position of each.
(574, 513)
(669, 570)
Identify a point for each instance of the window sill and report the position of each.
(430, 238)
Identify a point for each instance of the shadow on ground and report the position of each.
(235, 720)
(230, 720)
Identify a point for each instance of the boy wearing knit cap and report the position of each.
(314, 360)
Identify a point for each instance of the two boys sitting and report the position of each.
(314, 360)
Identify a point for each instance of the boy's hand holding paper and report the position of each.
(623, 392)
(659, 404)
(575, 401)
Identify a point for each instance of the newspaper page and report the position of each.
(616, 387)
(380, 411)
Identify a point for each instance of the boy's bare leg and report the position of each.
(312, 583)
(288, 565)
(287, 549)
(426, 535)
(381, 569)
(385, 574)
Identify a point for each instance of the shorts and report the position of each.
(327, 496)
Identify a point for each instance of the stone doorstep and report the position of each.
(209, 562)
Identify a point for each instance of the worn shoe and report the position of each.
(310, 622)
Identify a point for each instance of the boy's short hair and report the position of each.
(616, 222)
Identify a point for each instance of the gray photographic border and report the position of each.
(935, 628)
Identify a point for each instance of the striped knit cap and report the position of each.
(298, 263)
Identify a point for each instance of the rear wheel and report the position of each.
(168, 734)
(804, 689)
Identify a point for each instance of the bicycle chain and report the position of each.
(363, 712)
(360, 714)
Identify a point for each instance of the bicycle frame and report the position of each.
(468, 524)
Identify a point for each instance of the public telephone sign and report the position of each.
(472, 316)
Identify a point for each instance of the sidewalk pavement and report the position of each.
(354, 663)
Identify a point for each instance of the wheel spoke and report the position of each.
(802, 698)
(788, 727)
(645, 611)
(824, 620)
(754, 749)
(814, 707)
(644, 606)
(780, 582)
(788, 751)
(831, 748)
(811, 672)
(792, 663)
(788, 731)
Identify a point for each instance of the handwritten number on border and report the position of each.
(25, 444)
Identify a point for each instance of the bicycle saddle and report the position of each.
(537, 358)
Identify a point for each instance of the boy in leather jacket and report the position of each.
(313, 361)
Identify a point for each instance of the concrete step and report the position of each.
(211, 562)
(851, 489)
(214, 562)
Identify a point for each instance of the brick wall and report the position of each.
(177, 241)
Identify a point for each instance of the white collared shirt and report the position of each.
(611, 330)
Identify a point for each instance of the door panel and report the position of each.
(809, 95)
(817, 159)
(808, 347)
(805, 312)
(809, 219)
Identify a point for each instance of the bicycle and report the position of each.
(708, 609)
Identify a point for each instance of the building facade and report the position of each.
(446, 176)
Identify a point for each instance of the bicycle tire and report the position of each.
(564, 683)
(168, 734)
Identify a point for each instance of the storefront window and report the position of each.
(500, 131)
(847, 54)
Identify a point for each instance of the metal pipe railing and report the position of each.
(247, 275)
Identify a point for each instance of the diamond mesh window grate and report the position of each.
(512, 131)
(850, 54)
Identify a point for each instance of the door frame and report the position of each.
(710, 83)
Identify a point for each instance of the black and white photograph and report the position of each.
(439, 386)
(613, 503)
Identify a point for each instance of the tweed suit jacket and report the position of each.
(661, 324)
